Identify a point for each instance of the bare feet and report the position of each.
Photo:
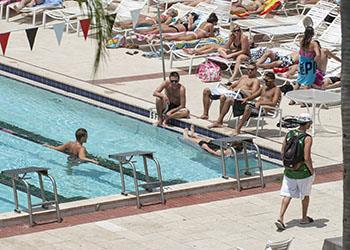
(215, 125)
(192, 130)
(189, 51)
(158, 123)
(204, 117)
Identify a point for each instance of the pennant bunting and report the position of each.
(58, 28)
(85, 24)
(4, 37)
(31, 34)
(135, 16)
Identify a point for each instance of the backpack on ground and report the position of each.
(293, 150)
(209, 72)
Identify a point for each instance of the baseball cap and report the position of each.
(304, 118)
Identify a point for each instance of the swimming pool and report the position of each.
(57, 117)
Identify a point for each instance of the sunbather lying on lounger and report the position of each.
(167, 18)
(194, 3)
(254, 7)
(27, 3)
(206, 143)
(205, 30)
(182, 25)
(331, 82)
(236, 45)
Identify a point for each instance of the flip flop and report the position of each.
(129, 53)
(280, 226)
(308, 221)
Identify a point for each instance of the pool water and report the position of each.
(57, 117)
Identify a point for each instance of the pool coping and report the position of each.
(102, 100)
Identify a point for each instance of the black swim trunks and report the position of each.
(211, 145)
(170, 106)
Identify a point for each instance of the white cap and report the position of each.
(304, 118)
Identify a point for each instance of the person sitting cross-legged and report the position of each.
(248, 87)
(270, 96)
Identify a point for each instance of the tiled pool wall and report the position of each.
(118, 104)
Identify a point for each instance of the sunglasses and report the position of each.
(251, 69)
(174, 81)
(236, 30)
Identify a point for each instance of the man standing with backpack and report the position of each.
(299, 172)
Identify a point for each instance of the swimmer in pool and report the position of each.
(75, 148)
(207, 144)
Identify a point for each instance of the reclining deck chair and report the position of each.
(331, 37)
(68, 14)
(276, 245)
(34, 10)
(317, 14)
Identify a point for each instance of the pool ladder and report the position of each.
(229, 142)
(126, 159)
(19, 175)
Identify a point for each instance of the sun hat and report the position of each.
(304, 118)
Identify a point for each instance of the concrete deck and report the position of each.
(247, 222)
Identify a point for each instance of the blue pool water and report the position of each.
(57, 117)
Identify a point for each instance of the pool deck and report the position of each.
(245, 221)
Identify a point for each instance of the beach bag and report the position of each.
(116, 42)
(293, 151)
(209, 72)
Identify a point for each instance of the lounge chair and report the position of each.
(317, 14)
(33, 10)
(223, 11)
(179, 54)
(331, 37)
(68, 14)
(3, 4)
(276, 245)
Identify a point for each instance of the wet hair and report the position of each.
(212, 18)
(174, 74)
(80, 133)
(308, 35)
(195, 16)
(270, 75)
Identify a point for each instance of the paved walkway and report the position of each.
(245, 221)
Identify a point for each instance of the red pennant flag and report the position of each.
(85, 24)
(4, 37)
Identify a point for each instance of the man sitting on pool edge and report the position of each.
(75, 148)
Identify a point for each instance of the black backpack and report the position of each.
(293, 152)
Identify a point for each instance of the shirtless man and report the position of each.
(270, 96)
(248, 87)
(322, 65)
(172, 103)
(75, 148)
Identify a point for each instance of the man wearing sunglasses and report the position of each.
(248, 87)
(171, 103)
(270, 95)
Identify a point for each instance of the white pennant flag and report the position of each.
(135, 16)
(58, 28)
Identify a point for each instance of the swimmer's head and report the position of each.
(81, 135)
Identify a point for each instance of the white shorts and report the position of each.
(297, 188)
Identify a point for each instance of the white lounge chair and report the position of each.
(223, 11)
(331, 37)
(32, 10)
(276, 245)
(68, 14)
(317, 14)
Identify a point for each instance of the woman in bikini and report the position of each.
(255, 7)
(143, 20)
(239, 51)
(179, 26)
(205, 30)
